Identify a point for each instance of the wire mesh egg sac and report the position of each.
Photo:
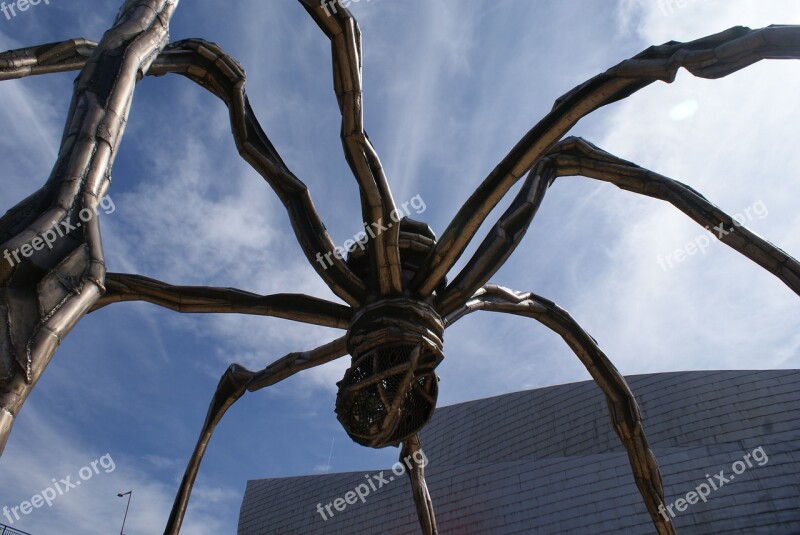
(388, 394)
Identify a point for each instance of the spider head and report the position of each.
(389, 392)
(416, 241)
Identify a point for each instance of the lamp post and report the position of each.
(129, 494)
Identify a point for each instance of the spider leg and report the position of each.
(212, 68)
(502, 240)
(203, 299)
(232, 386)
(44, 296)
(341, 28)
(715, 56)
(577, 157)
(622, 405)
(416, 472)
(64, 56)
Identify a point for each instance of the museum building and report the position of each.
(547, 461)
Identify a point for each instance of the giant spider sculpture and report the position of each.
(398, 301)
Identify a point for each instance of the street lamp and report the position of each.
(129, 494)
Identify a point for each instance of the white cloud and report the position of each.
(92, 506)
(716, 310)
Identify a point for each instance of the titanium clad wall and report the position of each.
(546, 461)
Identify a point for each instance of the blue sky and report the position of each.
(450, 86)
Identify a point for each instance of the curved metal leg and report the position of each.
(64, 56)
(232, 386)
(413, 458)
(202, 299)
(376, 197)
(577, 157)
(213, 69)
(622, 404)
(44, 296)
(710, 57)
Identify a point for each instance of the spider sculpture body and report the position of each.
(398, 301)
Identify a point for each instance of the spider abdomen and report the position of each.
(390, 390)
